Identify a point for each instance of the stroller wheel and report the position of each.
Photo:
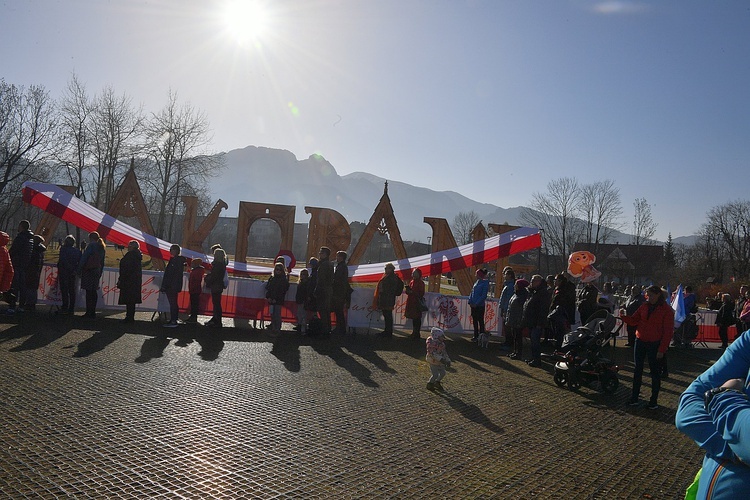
(609, 383)
(573, 382)
(561, 378)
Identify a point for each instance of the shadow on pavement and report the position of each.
(152, 348)
(97, 342)
(470, 412)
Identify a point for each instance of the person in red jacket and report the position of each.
(6, 267)
(654, 326)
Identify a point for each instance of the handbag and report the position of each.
(423, 304)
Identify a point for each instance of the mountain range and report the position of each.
(276, 176)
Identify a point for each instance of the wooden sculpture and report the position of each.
(328, 228)
(250, 212)
(192, 238)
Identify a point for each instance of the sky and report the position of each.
(492, 99)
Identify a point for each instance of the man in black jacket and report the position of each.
(20, 256)
(324, 288)
(340, 295)
(535, 312)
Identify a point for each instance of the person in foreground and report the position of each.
(437, 357)
(654, 326)
(714, 411)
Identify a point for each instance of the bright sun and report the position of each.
(246, 20)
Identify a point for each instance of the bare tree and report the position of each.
(27, 128)
(74, 118)
(730, 225)
(556, 214)
(463, 224)
(115, 126)
(601, 211)
(644, 226)
(177, 145)
(710, 252)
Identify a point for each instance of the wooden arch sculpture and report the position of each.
(327, 228)
(128, 202)
(250, 212)
(193, 238)
(501, 263)
(442, 239)
(383, 221)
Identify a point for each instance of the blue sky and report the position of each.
(492, 99)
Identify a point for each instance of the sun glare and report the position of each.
(246, 20)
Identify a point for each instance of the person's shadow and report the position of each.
(470, 412)
(288, 353)
(97, 342)
(152, 347)
(211, 345)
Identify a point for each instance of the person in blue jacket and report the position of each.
(714, 411)
(477, 299)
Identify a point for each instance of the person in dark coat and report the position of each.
(214, 280)
(535, 312)
(171, 283)
(587, 301)
(90, 268)
(310, 305)
(20, 256)
(300, 297)
(130, 280)
(324, 288)
(67, 264)
(340, 291)
(725, 318)
(413, 310)
(195, 288)
(276, 288)
(34, 271)
(562, 308)
(514, 317)
(388, 288)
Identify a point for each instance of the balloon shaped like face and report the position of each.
(578, 261)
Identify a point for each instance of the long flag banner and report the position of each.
(56, 201)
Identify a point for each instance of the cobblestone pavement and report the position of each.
(100, 409)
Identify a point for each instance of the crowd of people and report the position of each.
(711, 411)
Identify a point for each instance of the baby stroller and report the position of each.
(580, 361)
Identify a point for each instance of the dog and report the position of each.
(483, 340)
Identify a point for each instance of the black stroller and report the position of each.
(580, 361)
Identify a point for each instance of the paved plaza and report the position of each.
(101, 409)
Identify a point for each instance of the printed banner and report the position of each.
(245, 298)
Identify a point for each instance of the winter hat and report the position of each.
(196, 262)
(481, 272)
(522, 283)
(437, 332)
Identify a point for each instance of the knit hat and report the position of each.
(196, 262)
(522, 283)
(481, 272)
(437, 332)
